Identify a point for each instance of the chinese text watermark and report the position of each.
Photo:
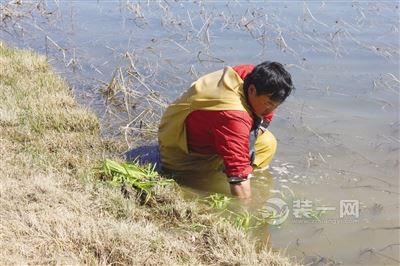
(276, 211)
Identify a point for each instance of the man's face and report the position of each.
(261, 104)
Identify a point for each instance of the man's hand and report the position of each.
(241, 190)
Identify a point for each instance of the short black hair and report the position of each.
(270, 78)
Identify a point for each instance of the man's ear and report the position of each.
(252, 90)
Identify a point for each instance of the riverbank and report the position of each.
(55, 211)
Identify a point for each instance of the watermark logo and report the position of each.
(302, 208)
(275, 211)
(349, 208)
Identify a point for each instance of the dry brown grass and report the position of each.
(54, 212)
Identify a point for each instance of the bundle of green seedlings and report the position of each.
(141, 178)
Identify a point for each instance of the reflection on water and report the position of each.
(205, 183)
(209, 183)
(338, 135)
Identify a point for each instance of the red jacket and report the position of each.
(225, 133)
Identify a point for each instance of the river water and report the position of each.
(338, 134)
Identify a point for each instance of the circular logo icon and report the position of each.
(275, 211)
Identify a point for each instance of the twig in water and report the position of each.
(373, 251)
(305, 9)
(212, 59)
(370, 187)
(322, 158)
(57, 46)
(318, 135)
(180, 46)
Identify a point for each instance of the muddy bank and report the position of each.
(54, 211)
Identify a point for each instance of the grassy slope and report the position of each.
(49, 214)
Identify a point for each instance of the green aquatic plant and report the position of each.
(240, 219)
(218, 201)
(142, 178)
(244, 220)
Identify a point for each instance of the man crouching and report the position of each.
(221, 122)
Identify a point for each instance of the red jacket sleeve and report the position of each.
(232, 142)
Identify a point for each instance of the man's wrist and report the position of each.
(241, 190)
(236, 179)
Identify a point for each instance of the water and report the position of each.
(338, 134)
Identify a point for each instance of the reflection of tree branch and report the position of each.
(313, 18)
(212, 59)
(315, 133)
(378, 252)
(390, 245)
(343, 172)
(370, 187)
